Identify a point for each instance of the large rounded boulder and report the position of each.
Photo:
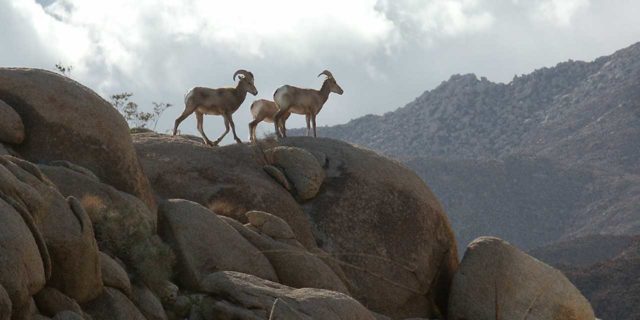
(300, 167)
(11, 126)
(103, 203)
(22, 270)
(375, 218)
(63, 225)
(112, 304)
(236, 295)
(229, 180)
(205, 244)
(65, 120)
(386, 227)
(498, 281)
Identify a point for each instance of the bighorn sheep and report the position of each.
(309, 102)
(222, 101)
(263, 110)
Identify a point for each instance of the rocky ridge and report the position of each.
(558, 141)
(96, 223)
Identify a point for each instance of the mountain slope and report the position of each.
(549, 156)
(581, 113)
(530, 201)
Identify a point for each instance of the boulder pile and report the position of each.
(98, 223)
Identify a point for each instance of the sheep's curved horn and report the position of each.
(326, 73)
(244, 73)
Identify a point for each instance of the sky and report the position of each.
(383, 53)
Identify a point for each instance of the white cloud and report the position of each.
(438, 18)
(376, 48)
(559, 12)
(248, 28)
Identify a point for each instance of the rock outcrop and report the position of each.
(5, 304)
(497, 278)
(372, 216)
(299, 228)
(113, 275)
(50, 302)
(375, 216)
(241, 296)
(205, 244)
(66, 230)
(62, 249)
(228, 180)
(11, 126)
(116, 215)
(148, 303)
(22, 269)
(66, 121)
(300, 167)
(112, 304)
(293, 264)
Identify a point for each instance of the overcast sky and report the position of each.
(383, 53)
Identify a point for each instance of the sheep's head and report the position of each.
(246, 81)
(331, 81)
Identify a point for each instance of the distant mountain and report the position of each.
(547, 157)
(585, 113)
(530, 201)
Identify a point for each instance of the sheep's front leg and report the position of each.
(313, 122)
(226, 130)
(200, 119)
(308, 118)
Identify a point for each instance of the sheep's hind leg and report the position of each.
(253, 125)
(187, 112)
(233, 129)
(285, 117)
(200, 119)
(276, 123)
(226, 130)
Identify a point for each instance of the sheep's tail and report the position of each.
(253, 109)
(187, 96)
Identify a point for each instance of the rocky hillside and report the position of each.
(517, 196)
(531, 201)
(581, 113)
(552, 152)
(548, 161)
(99, 224)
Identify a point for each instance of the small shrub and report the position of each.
(131, 113)
(153, 260)
(65, 70)
(130, 238)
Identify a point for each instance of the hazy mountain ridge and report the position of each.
(576, 112)
(548, 161)
(570, 123)
(510, 198)
(531, 201)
